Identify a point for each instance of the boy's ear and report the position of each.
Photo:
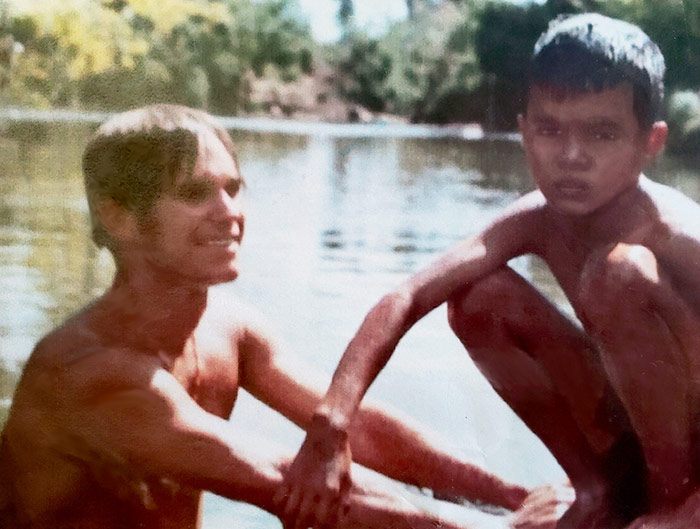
(118, 222)
(521, 128)
(656, 139)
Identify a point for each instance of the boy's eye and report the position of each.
(603, 134)
(547, 130)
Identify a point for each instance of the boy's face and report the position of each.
(586, 149)
(195, 228)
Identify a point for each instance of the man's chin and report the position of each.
(224, 277)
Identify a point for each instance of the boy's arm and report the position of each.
(378, 439)
(312, 483)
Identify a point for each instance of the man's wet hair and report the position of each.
(590, 52)
(136, 155)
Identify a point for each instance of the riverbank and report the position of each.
(380, 126)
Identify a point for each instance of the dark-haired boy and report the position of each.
(119, 420)
(616, 397)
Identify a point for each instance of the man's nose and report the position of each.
(227, 207)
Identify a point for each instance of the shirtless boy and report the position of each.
(120, 418)
(615, 395)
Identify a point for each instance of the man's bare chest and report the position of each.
(210, 373)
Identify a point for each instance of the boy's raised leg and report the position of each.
(547, 371)
(649, 341)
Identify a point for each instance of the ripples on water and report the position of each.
(333, 223)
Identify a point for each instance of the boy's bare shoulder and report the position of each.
(521, 224)
(528, 205)
(677, 212)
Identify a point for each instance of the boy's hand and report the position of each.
(316, 489)
(685, 516)
(542, 508)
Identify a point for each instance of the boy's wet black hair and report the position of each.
(591, 52)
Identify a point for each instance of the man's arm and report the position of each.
(312, 482)
(378, 439)
(122, 410)
(146, 424)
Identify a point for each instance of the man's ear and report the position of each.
(656, 139)
(117, 221)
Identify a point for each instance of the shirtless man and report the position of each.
(614, 396)
(119, 420)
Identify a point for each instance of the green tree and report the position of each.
(346, 11)
(435, 68)
(120, 53)
(364, 69)
(675, 26)
(504, 40)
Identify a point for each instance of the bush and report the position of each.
(684, 122)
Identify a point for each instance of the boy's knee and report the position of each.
(473, 309)
(617, 276)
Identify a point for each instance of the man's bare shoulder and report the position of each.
(76, 343)
(74, 361)
(233, 317)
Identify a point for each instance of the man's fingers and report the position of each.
(306, 514)
(327, 513)
(336, 512)
(280, 497)
(292, 506)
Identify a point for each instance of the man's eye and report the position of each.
(193, 194)
(233, 188)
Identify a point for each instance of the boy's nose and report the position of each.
(573, 153)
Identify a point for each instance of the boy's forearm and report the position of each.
(385, 444)
(364, 358)
(401, 452)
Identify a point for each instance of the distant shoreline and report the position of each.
(379, 128)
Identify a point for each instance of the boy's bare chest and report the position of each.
(567, 250)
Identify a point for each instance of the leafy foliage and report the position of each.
(114, 54)
(684, 122)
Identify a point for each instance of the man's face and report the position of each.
(195, 228)
(584, 149)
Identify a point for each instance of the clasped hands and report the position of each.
(317, 484)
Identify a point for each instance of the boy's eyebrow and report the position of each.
(603, 122)
(543, 118)
(595, 121)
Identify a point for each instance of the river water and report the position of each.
(336, 217)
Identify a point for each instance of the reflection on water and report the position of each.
(47, 264)
(332, 224)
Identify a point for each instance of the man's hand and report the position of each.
(317, 485)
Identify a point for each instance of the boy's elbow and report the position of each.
(398, 306)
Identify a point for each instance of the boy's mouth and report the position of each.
(571, 187)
